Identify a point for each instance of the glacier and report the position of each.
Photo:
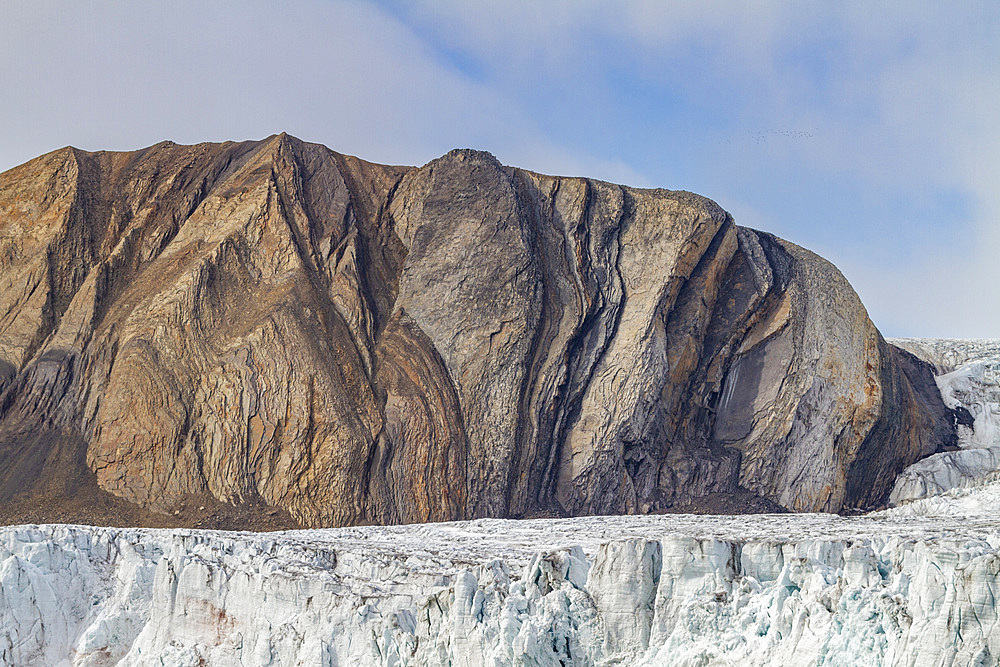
(968, 377)
(889, 589)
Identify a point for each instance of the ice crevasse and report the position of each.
(668, 590)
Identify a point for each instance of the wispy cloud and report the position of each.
(124, 75)
(865, 131)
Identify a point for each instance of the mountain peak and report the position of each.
(271, 324)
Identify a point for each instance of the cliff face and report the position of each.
(272, 322)
(814, 590)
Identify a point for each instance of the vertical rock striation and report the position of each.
(272, 322)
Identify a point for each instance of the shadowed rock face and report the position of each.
(272, 322)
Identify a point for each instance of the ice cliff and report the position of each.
(968, 376)
(654, 590)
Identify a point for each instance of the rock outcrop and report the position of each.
(275, 323)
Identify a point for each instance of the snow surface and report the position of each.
(947, 354)
(969, 378)
(645, 590)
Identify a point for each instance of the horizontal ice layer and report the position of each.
(978, 500)
(947, 354)
(943, 472)
(674, 590)
(969, 381)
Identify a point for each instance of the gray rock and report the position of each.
(275, 323)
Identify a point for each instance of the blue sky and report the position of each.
(868, 132)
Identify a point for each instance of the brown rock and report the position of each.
(274, 325)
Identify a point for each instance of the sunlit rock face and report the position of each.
(275, 323)
(664, 590)
(968, 377)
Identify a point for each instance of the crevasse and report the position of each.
(667, 590)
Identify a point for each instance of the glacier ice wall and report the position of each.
(667, 590)
(968, 376)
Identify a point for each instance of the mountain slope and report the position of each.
(273, 324)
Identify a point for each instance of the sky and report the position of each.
(868, 132)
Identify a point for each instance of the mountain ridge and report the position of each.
(276, 323)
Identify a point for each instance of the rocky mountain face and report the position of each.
(274, 323)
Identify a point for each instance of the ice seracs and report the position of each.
(653, 590)
(968, 376)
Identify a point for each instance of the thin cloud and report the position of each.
(862, 131)
(765, 105)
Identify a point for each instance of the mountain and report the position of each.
(277, 334)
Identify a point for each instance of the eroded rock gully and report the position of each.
(275, 323)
